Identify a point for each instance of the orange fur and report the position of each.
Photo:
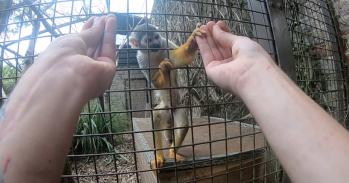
(181, 56)
(186, 53)
(161, 78)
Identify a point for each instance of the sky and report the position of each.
(64, 10)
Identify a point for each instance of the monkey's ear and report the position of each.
(133, 42)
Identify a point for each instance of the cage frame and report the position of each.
(284, 57)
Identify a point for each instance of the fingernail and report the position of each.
(223, 25)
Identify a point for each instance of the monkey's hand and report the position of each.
(165, 66)
(161, 78)
(191, 42)
(186, 53)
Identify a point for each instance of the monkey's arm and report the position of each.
(161, 78)
(186, 53)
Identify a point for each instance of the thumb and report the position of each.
(225, 39)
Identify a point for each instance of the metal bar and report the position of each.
(261, 20)
(282, 43)
(282, 40)
(343, 63)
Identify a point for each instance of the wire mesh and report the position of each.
(114, 141)
(321, 72)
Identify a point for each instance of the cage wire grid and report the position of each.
(321, 72)
(114, 141)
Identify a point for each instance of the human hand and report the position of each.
(43, 109)
(229, 59)
(85, 60)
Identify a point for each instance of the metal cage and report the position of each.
(114, 141)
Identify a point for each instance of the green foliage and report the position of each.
(120, 123)
(92, 127)
(9, 78)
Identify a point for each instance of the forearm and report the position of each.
(40, 117)
(311, 145)
(38, 129)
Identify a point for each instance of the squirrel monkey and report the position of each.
(151, 54)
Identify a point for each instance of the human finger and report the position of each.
(223, 26)
(204, 48)
(225, 51)
(88, 24)
(210, 40)
(98, 74)
(223, 38)
(93, 35)
(108, 45)
(108, 68)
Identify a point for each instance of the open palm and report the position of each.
(227, 57)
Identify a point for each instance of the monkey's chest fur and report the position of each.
(149, 63)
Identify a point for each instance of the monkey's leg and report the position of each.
(169, 132)
(161, 117)
(181, 122)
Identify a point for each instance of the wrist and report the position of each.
(58, 85)
(66, 83)
(69, 76)
(255, 76)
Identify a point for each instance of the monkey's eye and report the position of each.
(149, 40)
(157, 37)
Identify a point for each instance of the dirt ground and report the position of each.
(105, 168)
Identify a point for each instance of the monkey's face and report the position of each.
(146, 36)
(151, 40)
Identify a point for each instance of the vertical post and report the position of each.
(281, 35)
(282, 45)
(2, 101)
